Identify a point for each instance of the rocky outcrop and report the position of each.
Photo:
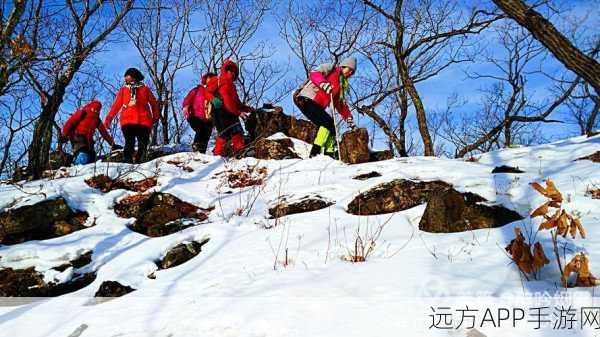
(595, 157)
(277, 149)
(394, 196)
(381, 155)
(354, 147)
(365, 176)
(81, 261)
(30, 283)
(112, 289)
(159, 214)
(307, 204)
(106, 184)
(181, 253)
(506, 169)
(450, 211)
(44, 220)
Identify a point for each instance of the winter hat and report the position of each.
(349, 62)
(94, 104)
(135, 73)
(206, 76)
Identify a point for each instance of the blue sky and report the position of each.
(116, 57)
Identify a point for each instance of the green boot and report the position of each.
(320, 141)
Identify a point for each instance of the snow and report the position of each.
(242, 285)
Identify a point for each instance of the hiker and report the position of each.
(314, 96)
(80, 128)
(139, 111)
(198, 110)
(228, 111)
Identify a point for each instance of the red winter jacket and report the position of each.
(84, 123)
(144, 112)
(227, 90)
(313, 90)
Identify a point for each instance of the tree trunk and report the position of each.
(589, 129)
(419, 109)
(402, 123)
(543, 31)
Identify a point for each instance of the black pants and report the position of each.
(132, 132)
(203, 129)
(227, 124)
(315, 113)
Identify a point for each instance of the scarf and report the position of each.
(133, 87)
(344, 86)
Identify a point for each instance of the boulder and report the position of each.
(44, 220)
(181, 253)
(275, 149)
(30, 283)
(506, 169)
(58, 159)
(365, 176)
(82, 260)
(595, 157)
(106, 184)
(159, 214)
(381, 155)
(307, 204)
(354, 147)
(303, 130)
(449, 211)
(266, 122)
(394, 196)
(112, 289)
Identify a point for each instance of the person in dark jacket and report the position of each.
(80, 129)
(227, 117)
(198, 111)
(139, 111)
(326, 82)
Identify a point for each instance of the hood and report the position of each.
(230, 65)
(95, 104)
(204, 79)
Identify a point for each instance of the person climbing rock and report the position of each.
(139, 111)
(228, 111)
(80, 129)
(197, 110)
(326, 82)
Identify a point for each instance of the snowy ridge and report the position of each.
(242, 285)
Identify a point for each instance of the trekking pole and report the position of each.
(337, 140)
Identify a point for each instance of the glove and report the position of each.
(243, 115)
(326, 86)
(351, 125)
(116, 147)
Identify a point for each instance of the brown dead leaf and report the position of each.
(579, 264)
(540, 189)
(520, 252)
(539, 257)
(540, 211)
(577, 224)
(553, 192)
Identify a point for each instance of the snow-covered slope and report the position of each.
(264, 277)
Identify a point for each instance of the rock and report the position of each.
(303, 130)
(449, 211)
(106, 184)
(506, 169)
(266, 122)
(595, 157)
(44, 220)
(58, 159)
(159, 214)
(381, 155)
(354, 147)
(366, 176)
(307, 204)
(181, 253)
(30, 283)
(394, 196)
(112, 289)
(82, 260)
(275, 149)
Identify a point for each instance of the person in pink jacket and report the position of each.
(325, 83)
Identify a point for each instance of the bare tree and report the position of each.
(544, 31)
(13, 120)
(15, 52)
(424, 38)
(70, 36)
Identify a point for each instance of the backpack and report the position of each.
(200, 107)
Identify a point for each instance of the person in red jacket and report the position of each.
(139, 111)
(326, 82)
(227, 117)
(197, 111)
(80, 129)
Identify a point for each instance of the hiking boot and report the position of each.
(315, 150)
(335, 155)
(197, 147)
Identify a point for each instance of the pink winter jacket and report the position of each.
(314, 92)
